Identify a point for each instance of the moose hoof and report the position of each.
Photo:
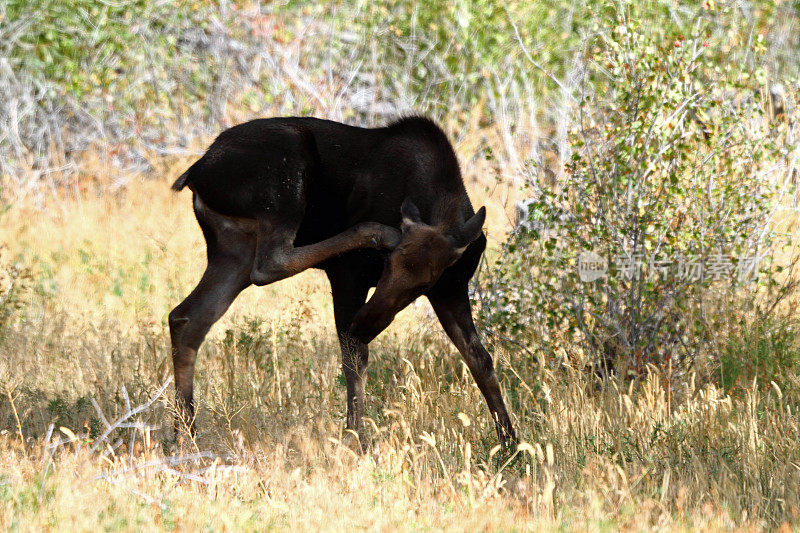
(380, 236)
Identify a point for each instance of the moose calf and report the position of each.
(383, 207)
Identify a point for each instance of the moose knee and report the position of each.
(177, 320)
(188, 331)
(480, 360)
(269, 269)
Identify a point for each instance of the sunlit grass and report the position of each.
(105, 270)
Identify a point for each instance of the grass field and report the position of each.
(106, 103)
(88, 326)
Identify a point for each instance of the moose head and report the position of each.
(415, 265)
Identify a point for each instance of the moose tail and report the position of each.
(182, 181)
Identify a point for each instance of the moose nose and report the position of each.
(371, 320)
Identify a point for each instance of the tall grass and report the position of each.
(95, 251)
(641, 454)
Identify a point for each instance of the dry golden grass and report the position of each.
(105, 271)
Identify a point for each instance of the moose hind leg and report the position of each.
(281, 209)
(190, 321)
(277, 257)
(455, 315)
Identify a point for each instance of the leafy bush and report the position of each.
(77, 72)
(136, 76)
(663, 217)
(457, 52)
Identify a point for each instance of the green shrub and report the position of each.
(668, 192)
(130, 73)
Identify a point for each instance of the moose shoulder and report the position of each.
(383, 207)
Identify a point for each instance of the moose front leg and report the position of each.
(453, 310)
(349, 292)
(277, 258)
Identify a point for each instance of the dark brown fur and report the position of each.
(277, 196)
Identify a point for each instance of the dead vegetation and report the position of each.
(95, 250)
(89, 344)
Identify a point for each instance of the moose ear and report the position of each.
(470, 230)
(410, 213)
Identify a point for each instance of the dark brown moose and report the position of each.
(276, 196)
